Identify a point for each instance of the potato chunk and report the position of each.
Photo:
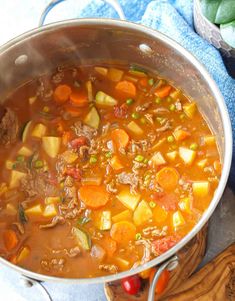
(142, 213)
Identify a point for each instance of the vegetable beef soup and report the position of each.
(103, 168)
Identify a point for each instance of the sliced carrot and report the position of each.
(110, 246)
(143, 82)
(94, 196)
(181, 135)
(123, 232)
(127, 88)
(159, 214)
(120, 138)
(116, 163)
(79, 98)
(74, 112)
(163, 91)
(10, 239)
(168, 178)
(62, 93)
(162, 282)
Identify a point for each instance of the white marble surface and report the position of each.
(16, 17)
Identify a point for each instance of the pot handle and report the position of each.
(114, 3)
(170, 265)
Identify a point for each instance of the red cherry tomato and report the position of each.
(131, 285)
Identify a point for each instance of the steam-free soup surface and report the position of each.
(102, 169)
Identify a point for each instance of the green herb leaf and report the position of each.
(83, 220)
(22, 217)
(228, 33)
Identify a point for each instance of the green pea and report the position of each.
(158, 100)
(93, 159)
(138, 236)
(151, 81)
(129, 101)
(135, 115)
(108, 155)
(139, 158)
(194, 146)
(20, 158)
(170, 138)
(152, 204)
(169, 99)
(172, 107)
(38, 164)
(146, 161)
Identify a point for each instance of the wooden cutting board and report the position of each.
(214, 282)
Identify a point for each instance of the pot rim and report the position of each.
(227, 141)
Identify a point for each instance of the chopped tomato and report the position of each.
(164, 244)
(167, 201)
(120, 111)
(74, 173)
(78, 142)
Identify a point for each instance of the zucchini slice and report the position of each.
(82, 238)
(25, 131)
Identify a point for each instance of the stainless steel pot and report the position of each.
(102, 40)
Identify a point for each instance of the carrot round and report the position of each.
(143, 82)
(79, 98)
(162, 280)
(120, 138)
(10, 239)
(94, 196)
(163, 91)
(122, 232)
(127, 88)
(168, 178)
(62, 93)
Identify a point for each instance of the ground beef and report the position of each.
(111, 268)
(128, 178)
(81, 129)
(120, 111)
(9, 127)
(55, 221)
(37, 184)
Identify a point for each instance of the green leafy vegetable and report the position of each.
(221, 12)
(22, 217)
(83, 220)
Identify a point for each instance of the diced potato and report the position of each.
(39, 130)
(187, 155)
(32, 100)
(3, 188)
(97, 252)
(209, 140)
(101, 70)
(25, 151)
(142, 213)
(92, 118)
(9, 164)
(105, 220)
(50, 210)
(157, 159)
(15, 179)
(135, 128)
(178, 219)
(51, 145)
(24, 253)
(116, 163)
(52, 200)
(201, 189)
(185, 205)
(10, 208)
(114, 74)
(35, 210)
(190, 109)
(104, 99)
(69, 156)
(172, 155)
(123, 264)
(181, 135)
(127, 199)
(202, 163)
(122, 216)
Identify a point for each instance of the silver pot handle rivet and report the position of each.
(28, 282)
